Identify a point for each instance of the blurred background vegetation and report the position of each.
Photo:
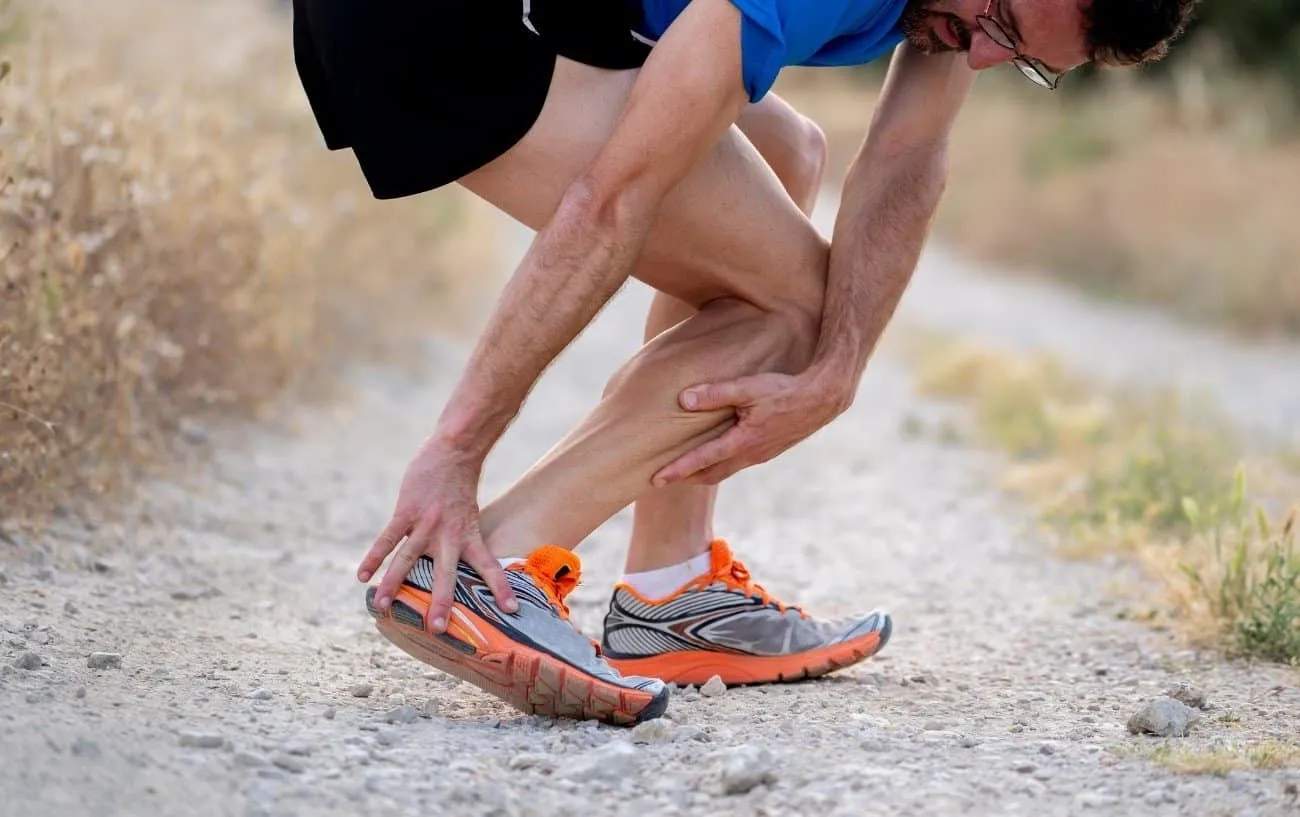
(1175, 184)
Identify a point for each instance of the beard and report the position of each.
(918, 21)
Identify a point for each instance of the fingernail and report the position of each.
(690, 400)
(439, 624)
(384, 602)
(364, 575)
(511, 606)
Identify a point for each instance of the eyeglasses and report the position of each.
(1028, 66)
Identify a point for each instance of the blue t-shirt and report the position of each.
(779, 33)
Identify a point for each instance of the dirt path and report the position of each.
(251, 681)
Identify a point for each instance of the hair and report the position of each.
(1134, 32)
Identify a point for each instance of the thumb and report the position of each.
(714, 396)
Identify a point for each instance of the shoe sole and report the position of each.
(698, 666)
(532, 681)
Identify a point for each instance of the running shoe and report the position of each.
(535, 659)
(723, 624)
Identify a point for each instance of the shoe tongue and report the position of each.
(720, 558)
(560, 569)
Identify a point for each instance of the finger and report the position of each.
(701, 457)
(482, 560)
(714, 396)
(404, 558)
(397, 527)
(444, 585)
(715, 474)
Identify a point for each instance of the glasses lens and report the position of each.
(996, 32)
(1038, 77)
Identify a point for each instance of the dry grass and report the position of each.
(1222, 760)
(178, 246)
(1159, 482)
(1181, 198)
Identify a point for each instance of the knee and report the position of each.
(806, 164)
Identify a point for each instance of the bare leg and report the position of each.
(729, 242)
(671, 525)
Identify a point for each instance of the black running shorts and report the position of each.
(427, 91)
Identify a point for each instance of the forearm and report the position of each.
(570, 272)
(880, 230)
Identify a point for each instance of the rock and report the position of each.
(745, 767)
(362, 690)
(610, 763)
(329, 713)
(4, 577)
(532, 760)
(402, 714)
(1025, 767)
(261, 694)
(968, 742)
(29, 661)
(193, 432)
(713, 687)
(195, 593)
(86, 748)
(1163, 717)
(654, 731)
(70, 609)
(202, 740)
(44, 574)
(1185, 693)
(104, 660)
(429, 709)
(1089, 799)
(249, 760)
(289, 764)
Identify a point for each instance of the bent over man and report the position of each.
(641, 138)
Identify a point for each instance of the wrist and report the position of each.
(834, 381)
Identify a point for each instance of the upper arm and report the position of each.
(688, 93)
(920, 101)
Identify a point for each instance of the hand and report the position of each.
(773, 412)
(437, 513)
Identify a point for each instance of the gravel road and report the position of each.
(211, 655)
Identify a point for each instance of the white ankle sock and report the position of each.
(655, 584)
(509, 560)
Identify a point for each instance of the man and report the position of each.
(640, 138)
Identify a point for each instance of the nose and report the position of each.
(985, 52)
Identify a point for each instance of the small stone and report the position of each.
(968, 742)
(1163, 717)
(531, 760)
(745, 767)
(86, 748)
(34, 697)
(1185, 693)
(202, 740)
(329, 714)
(612, 762)
(249, 760)
(429, 709)
(362, 690)
(261, 694)
(44, 574)
(1154, 798)
(193, 432)
(4, 577)
(1025, 767)
(1091, 799)
(29, 661)
(101, 566)
(80, 693)
(1047, 749)
(654, 731)
(195, 593)
(402, 714)
(69, 608)
(289, 764)
(713, 687)
(104, 660)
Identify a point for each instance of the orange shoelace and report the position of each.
(730, 571)
(557, 572)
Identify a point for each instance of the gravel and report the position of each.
(996, 649)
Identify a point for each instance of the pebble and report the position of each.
(361, 690)
(329, 713)
(249, 760)
(402, 714)
(202, 740)
(29, 661)
(104, 660)
(1185, 693)
(86, 748)
(261, 694)
(713, 687)
(4, 577)
(654, 731)
(1025, 767)
(69, 608)
(611, 762)
(429, 709)
(745, 767)
(1163, 717)
(289, 764)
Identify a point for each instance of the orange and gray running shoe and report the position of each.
(535, 659)
(724, 624)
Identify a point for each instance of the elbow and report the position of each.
(608, 208)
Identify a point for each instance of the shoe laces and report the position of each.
(556, 572)
(726, 569)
